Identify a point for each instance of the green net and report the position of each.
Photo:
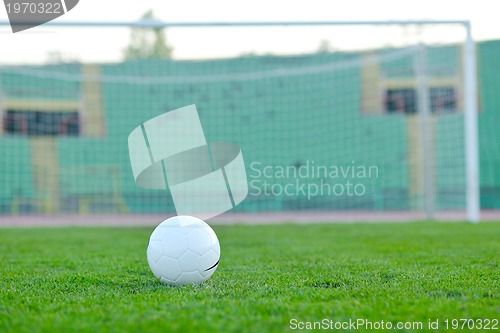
(324, 131)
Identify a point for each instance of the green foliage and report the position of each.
(148, 43)
(98, 280)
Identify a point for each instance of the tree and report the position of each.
(148, 43)
(325, 46)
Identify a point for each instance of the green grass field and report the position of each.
(98, 280)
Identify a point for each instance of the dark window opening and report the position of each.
(401, 101)
(442, 100)
(41, 123)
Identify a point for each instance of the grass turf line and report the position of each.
(98, 280)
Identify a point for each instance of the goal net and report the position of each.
(330, 118)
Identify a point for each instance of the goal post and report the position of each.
(471, 130)
(405, 89)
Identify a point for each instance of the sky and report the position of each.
(40, 44)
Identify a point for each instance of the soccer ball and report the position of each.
(183, 250)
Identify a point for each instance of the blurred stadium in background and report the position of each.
(395, 107)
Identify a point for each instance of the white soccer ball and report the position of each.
(183, 250)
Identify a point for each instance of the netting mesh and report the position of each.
(325, 131)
